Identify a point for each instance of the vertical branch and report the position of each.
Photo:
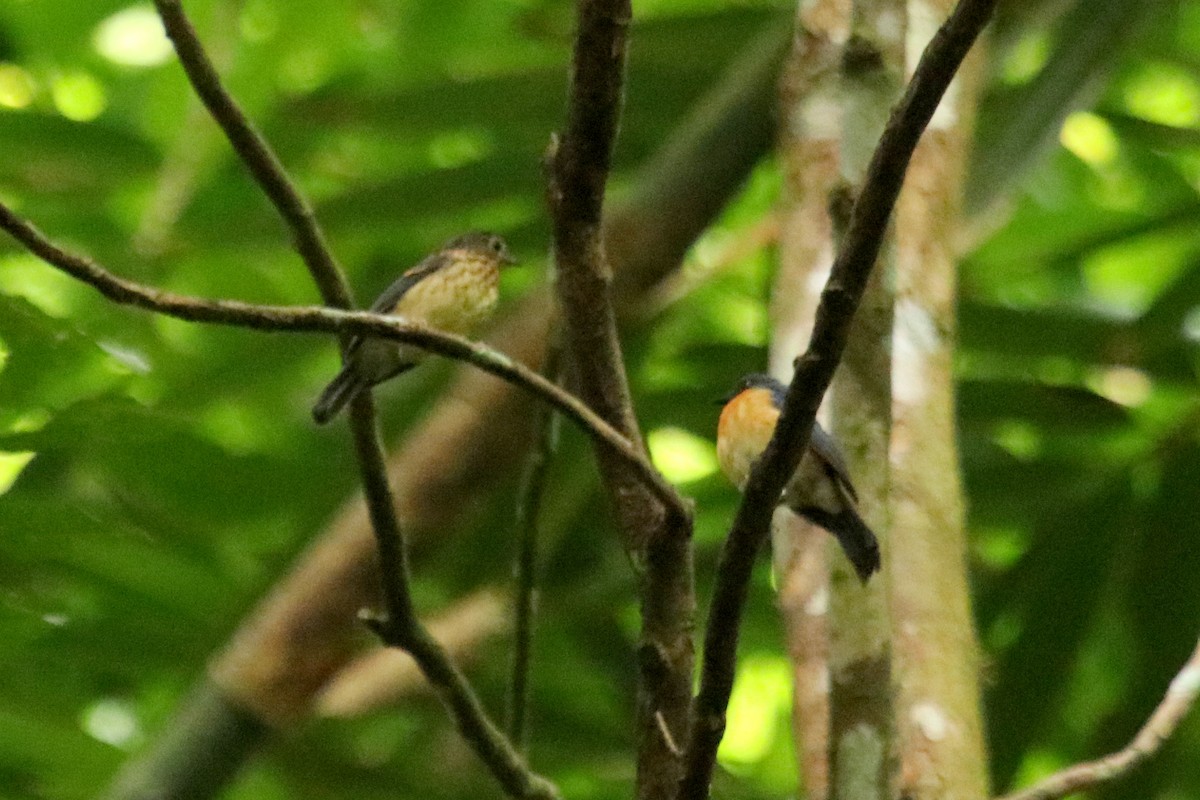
(389, 539)
(939, 730)
(657, 533)
(861, 725)
(529, 505)
(578, 166)
(810, 151)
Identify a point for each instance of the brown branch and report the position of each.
(525, 568)
(658, 533)
(1165, 719)
(401, 627)
(257, 155)
(380, 678)
(318, 319)
(814, 370)
(578, 169)
(298, 638)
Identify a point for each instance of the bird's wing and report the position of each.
(387, 301)
(827, 450)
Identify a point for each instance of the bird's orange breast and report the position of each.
(743, 431)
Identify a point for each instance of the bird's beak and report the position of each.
(508, 259)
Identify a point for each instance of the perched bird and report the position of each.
(820, 488)
(453, 290)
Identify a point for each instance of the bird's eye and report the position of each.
(497, 245)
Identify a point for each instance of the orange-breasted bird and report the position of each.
(819, 490)
(454, 290)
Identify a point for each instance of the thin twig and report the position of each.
(381, 508)
(1180, 697)
(814, 370)
(473, 722)
(657, 533)
(401, 628)
(529, 505)
(379, 679)
(257, 155)
(315, 318)
(672, 197)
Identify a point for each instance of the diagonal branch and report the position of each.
(257, 155)
(401, 627)
(1180, 697)
(297, 638)
(315, 318)
(814, 370)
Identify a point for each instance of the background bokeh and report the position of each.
(156, 476)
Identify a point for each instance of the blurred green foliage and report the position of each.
(156, 477)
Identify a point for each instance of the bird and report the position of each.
(819, 490)
(453, 289)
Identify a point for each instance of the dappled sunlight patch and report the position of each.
(1026, 58)
(1018, 438)
(112, 721)
(78, 96)
(1089, 137)
(133, 37)
(1191, 324)
(52, 292)
(999, 547)
(681, 456)
(1037, 764)
(1125, 386)
(11, 465)
(1163, 93)
(17, 86)
(762, 697)
(1127, 277)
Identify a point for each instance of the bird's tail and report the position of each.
(334, 397)
(857, 540)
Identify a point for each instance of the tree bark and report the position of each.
(917, 617)
(810, 148)
(941, 746)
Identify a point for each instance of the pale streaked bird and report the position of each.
(454, 290)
